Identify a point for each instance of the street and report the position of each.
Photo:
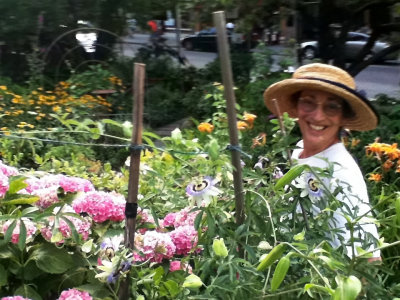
(376, 79)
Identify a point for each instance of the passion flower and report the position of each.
(202, 191)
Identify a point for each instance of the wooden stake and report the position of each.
(133, 185)
(136, 141)
(227, 80)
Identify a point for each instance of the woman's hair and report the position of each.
(347, 111)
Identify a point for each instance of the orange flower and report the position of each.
(375, 177)
(205, 127)
(387, 165)
(242, 125)
(249, 119)
(259, 140)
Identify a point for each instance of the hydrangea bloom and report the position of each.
(30, 229)
(81, 226)
(74, 294)
(144, 216)
(7, 170)
(15, 298)
(4, 184)
(67, 183)
(184, 238)
(47, 197)
(180, 218)
(75, 184)
(202, 192)
(177, 265)
(101, 206)
(154, 246)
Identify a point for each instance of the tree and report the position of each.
(337, 18)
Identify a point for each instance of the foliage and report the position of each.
(188, 244)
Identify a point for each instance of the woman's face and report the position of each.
(320, 116)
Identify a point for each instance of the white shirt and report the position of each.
(346, 174)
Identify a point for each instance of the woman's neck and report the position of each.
(310, 150)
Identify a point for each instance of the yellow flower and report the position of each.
(249, 119)
(3, 87)
(355, 142)
(375, 177)
(242, 125)
(205, 127)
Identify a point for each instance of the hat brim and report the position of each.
(278, 99)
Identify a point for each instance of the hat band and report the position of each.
(345, 87)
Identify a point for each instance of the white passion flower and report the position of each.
(202, 191)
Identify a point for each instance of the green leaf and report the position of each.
(213, 149)
(300, 236)
(397, 207)
(211, 225)
(293, 173)
(9, 232)
(17, 199)
(52, 259)
(22, 235)
(197, 220)
(16, 183)
(172, 287)
(3, 276)
(28, 292)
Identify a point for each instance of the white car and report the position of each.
(354, 43)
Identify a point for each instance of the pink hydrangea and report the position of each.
(75, 184)
(143, 217)
(154, 246)
(30, 229)
(74, 294)
(67, 183)
(177, 265)
(101, 206)
(44, 182)
(181, 218)
(4, 184)
(47, 197)
(185, 239)
(7, 170)
(15, 298)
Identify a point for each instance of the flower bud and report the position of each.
(220, 248)
(192, 282)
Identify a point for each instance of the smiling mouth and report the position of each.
(316, 127)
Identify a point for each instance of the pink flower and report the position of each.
(67, 183)
(4, 184)
(180, 218)
(47, 197)
(30, 229)
(15, 298)
(101, 206)
(7, 170)
(81, 226)
(154, 246)
(74, 294)
(185, 239)
(144, 217)
(177, 265)
(75, 184)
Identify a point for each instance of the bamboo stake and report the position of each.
(133, 185)
(227, 80)
(136, 141)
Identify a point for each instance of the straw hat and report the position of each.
(325, 78)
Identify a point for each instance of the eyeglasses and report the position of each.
(331, 107)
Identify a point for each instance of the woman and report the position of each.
(324, 100)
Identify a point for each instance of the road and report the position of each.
(376, 79)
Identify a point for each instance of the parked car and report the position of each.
(206, 40)
(354, 43)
